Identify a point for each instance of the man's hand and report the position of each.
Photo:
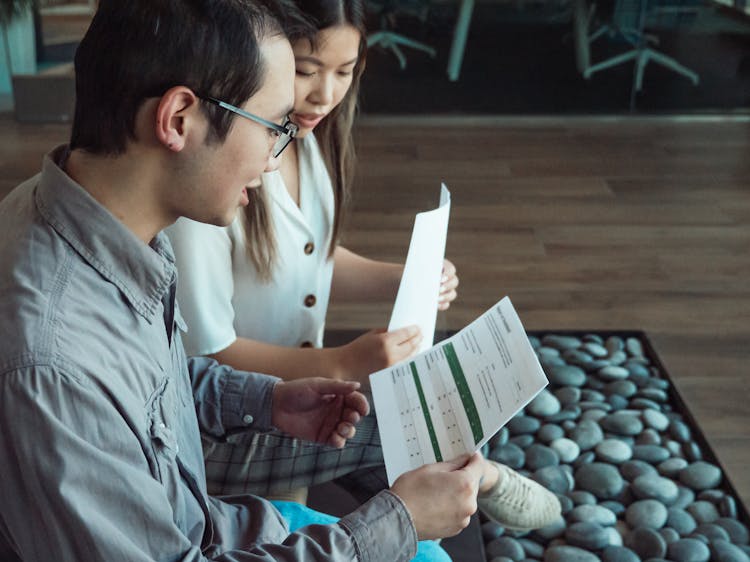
(375, 350)
(441, 497)
(448, 284)
(318, 409)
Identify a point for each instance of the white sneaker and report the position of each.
(517, 502)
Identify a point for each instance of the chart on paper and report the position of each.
(452, 398)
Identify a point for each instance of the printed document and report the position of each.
(454, 397)
(417, 299)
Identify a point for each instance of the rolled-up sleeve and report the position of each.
(228, 400)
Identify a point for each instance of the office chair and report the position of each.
(629, 22)
(387, 38)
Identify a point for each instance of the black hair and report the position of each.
(137, 49)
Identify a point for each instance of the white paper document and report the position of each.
(417, 298)
(452, 398)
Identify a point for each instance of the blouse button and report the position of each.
(306, 344)
(248, 419)
(310, 301)
(309, 248)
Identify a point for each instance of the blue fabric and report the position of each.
(298, 515)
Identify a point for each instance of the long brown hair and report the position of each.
(333, 133)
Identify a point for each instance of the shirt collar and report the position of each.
(142, 272)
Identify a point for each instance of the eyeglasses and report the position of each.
(285, 133)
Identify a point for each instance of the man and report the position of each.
(100, 411)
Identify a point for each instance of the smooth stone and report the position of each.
(646, 543)
(674, 448)
(569, 554)
(619, 554)
(567, 449)
(568, 395)
(646, 513)
(588, 434)
(712, 495)
(582, 497)
(577, 357)
(655, 394)
(586, 405)
(595, 349)
(501, 559)
(522, 441)
(662, 384)
(594, 514)
(655, 419)
(680, 431)
(550, 362)
(685, 497)
(505, 546)
(586, 458)
(701, 475)
(594, 383)
(617, 402)
(681, 521)
(561, 342)
(566, 375)
(519, 425)
(552, 531)
(640, 403)
(593, 415)
(500, 438)
(614, 506)
(692, 451)
(531, 548)
(570, 412)
(712, 532)
(671, 467)
(509, 454)
(653, 454)
(703, 512)
(669, 535)
(689, 550)
(637, 370)
(566, 504)
(538, 456)
(723, 551)
(590, 395)
(535, 342)
(634, 347)
(595, 338)
(614, 343)
(634, 468)
(649, 437)
(544, 404)
(653, 486)
(492, 530)
(613, 373)
(586, 534)
(554, 478)
(602, 480)
(728, 507)
(618, 358)
(738, 532)
(613, 451)
(622, 423)
(549, 432)
(544, 351)
(614, 538)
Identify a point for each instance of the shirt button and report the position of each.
(309, 248)
(248, 419)
(310, 301)
(306, 344)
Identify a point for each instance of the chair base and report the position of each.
(642, 57)
(393, 41)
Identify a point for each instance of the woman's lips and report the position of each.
(307, 121)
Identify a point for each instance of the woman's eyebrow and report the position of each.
(319, 62)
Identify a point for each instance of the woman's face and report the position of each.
(324, 75)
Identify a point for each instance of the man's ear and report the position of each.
(176, 112)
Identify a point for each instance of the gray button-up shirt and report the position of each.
(101, 412)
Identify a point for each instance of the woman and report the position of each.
(255, 294)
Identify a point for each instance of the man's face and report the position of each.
(228, 169)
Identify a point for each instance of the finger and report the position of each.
(351, 416)
(357, 402)
(346, 430)
(474, 467)
(448, 284)
(448, 267)
(404, 334)
(456, 463)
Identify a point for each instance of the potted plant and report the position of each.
(18, 44)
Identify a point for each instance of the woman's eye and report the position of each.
(303, 73)
(345, 73)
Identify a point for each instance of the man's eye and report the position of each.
(274, 133)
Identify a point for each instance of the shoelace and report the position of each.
(515, 489)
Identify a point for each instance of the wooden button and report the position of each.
(310, 301)
(309, 248)
(306, 344)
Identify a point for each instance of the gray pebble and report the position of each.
(622, 423)
(653, 486)
(538, 456)
(568, 395)
(640, 403)
(613, 373)
(712, 532)
(586, 534)
(669, 535)
(653, 454)
(582, 497)
(566, 375)
(649, 437)
(522, 441)
(547, 352)
(655, 394)
(505, 546)
(602, 480)
(614, 343)
(531, 548)
(544, 404)
(681, 521)
(613, 451)
(646, 543)
(595, 350)
(701, 475)
(634, 347)
(646, 513)
(569, 554)
(587, 434)
(671, 467)
(689, 550)
(492, 530)
(634, 468)
(509, 454)
(614, 506)
(680, 431)
(549, 432)
(723, 551)
(619, 554)
(554, 478)
(519, 425)
(594, 514)
(728, 507)
(561, 342)
(655, 419)
(553, 530)
(567, 449)
(738, 533)
(618, 358)
(692, 451)
(703, 512)
(684, 498)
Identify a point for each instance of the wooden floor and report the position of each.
(600, 224)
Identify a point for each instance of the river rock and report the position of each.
(594, 514)
(619, 554)
(588, 434)
(646, 543)
(588, 535)
(567, 553)
(655, 487)
(689, 550)
(602, 480)
(613, 451)
(646, 513)
(701, 476)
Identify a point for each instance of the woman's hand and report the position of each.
(448, 284)
(375, 350)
